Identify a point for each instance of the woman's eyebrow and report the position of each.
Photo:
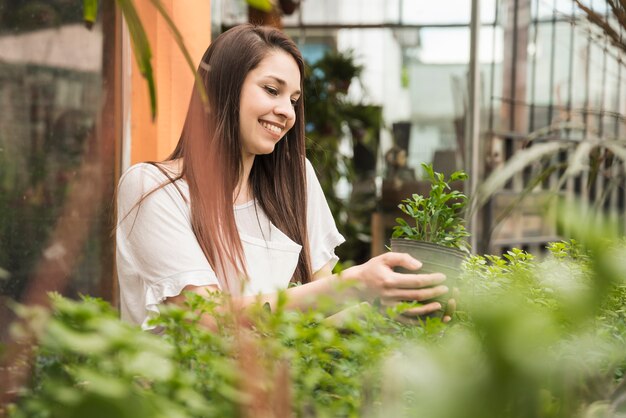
(281, 82)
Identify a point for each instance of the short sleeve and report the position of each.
(157, 251)
(322, 230)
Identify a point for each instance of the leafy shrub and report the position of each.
(89, 363)
(531, 338)
(438, 217)
(532, 341)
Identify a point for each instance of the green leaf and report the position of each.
(90, 12)
(150, 366)
(141, 48)
(106, 386)
(62, 336)
(263, 5)
(437, 215)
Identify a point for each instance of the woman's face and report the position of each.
(266, 107)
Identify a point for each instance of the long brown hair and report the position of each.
(211, 152)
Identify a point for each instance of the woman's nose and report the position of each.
(285, 109)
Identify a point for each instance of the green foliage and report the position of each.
(330, 118)
(528, 342)
(339, 68)
(89, 363)
(531, 338)
(438, 217)
(263, 5)
(90, 12)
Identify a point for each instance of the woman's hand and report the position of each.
(378, 280)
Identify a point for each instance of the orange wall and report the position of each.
(173, 77)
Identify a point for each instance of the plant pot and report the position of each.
(435, 258)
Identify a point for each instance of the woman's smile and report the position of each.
(269, 95)
(274, 128)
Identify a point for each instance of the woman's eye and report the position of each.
(271, 90)
(294, 102)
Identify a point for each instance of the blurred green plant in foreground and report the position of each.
(531, 338)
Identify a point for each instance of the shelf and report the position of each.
(506, 242)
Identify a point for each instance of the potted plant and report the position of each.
(438, 236)
(339, 69)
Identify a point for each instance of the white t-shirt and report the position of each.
(158, 254)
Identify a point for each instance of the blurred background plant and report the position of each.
(334, 122)
(611, 23)
(568, 156)
(535, 339)
(557, 163)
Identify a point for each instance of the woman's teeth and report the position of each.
(270, 127)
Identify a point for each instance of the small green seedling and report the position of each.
(439, 216)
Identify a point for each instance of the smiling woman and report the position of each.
(237, 208)
(268, 97)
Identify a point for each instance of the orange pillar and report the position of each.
(155, 140)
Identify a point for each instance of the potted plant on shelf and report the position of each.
(339, 68)
(438, 237)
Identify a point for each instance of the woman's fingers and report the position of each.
(401, 260)
(450, 307)
(419, 295)
(423, 310)
(412, 316)
(414, 281)
(380, 281)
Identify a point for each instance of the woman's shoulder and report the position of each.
(309, 169)
(152, 182)
(144, 175)
(140, 176)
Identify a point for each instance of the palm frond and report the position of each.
(520, 160)
(597, 19)
(141, 48)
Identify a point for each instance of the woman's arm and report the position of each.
(371, 280)
(325, 271)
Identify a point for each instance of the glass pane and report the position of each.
(434, 130)
(446, 12)
(621, 128)
(581, 43)
(542, 9)
(610, 97)
(412, 12)
(344, 12)
(444, 46)
(539, 89)
(596, 76)
(50, 94)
